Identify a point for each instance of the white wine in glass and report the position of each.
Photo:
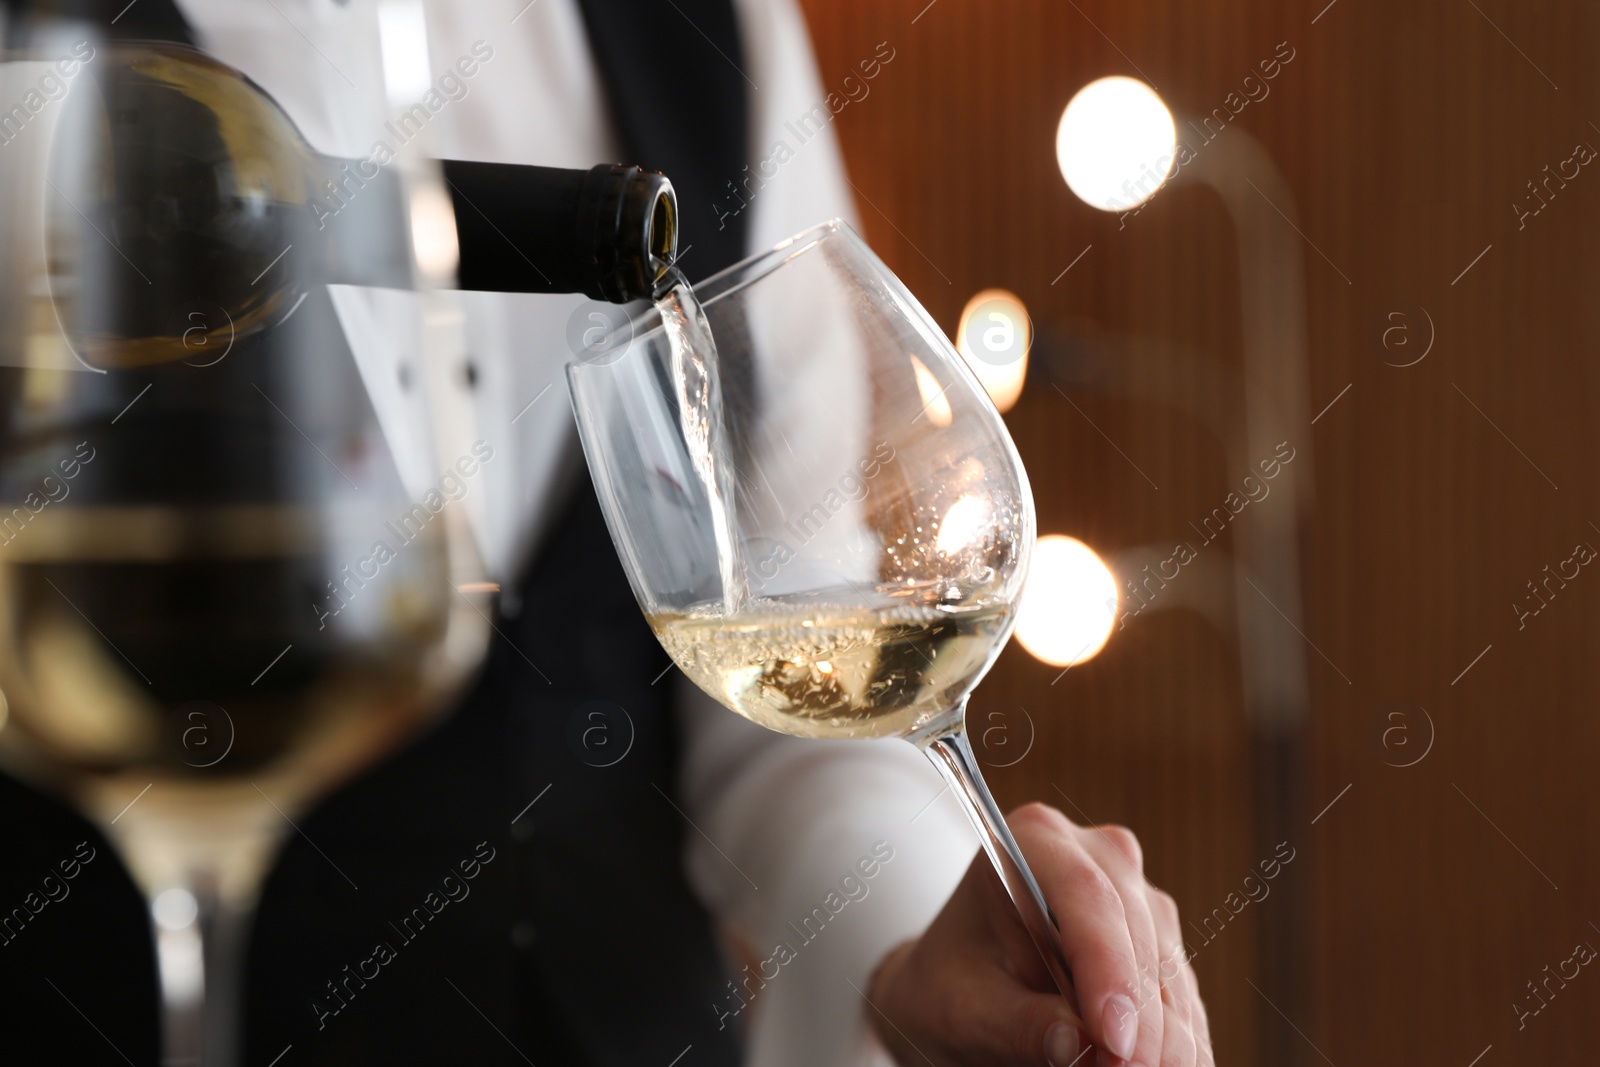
(829, 535)
(829, 669)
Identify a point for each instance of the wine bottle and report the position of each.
(201, 194)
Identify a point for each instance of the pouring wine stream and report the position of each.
(700, 412)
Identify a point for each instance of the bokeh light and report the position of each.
(174, 909)
(935, 404)
(1068, 604)
(962, 525)
(994, 338)
(1116, 143)
(433, 231)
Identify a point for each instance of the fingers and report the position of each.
(1202, 1024)
(1203, 1056)
(1178, 1045)
(1095, 928)
(1199, 1025)
(1202, 1020)
(971, 989)
(1124, 841)
(1186, 1039)
(1117, 851)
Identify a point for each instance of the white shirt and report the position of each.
(779, 823)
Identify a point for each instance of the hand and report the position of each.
(972, 989)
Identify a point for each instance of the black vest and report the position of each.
(578, 941)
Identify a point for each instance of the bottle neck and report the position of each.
(608, 232)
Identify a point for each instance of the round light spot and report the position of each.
(994, 338)
(174, 909)
(1068, 603)
(1116, 143)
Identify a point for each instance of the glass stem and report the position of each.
(951, 753)
(199, 963)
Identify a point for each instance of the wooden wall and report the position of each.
(1421, 903)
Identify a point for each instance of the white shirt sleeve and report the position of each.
(788, 828)
(788, 831)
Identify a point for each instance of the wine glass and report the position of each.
(820, 510)
(230, 573)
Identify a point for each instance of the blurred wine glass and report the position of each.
(820, 510)
(228, 577)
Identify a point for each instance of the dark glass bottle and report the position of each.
(608, 232)
(208, 211)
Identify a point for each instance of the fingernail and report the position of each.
(1061, 1045)
(1120, 1021)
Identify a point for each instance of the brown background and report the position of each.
(1405, 132)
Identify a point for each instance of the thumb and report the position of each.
(1040, 1030)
